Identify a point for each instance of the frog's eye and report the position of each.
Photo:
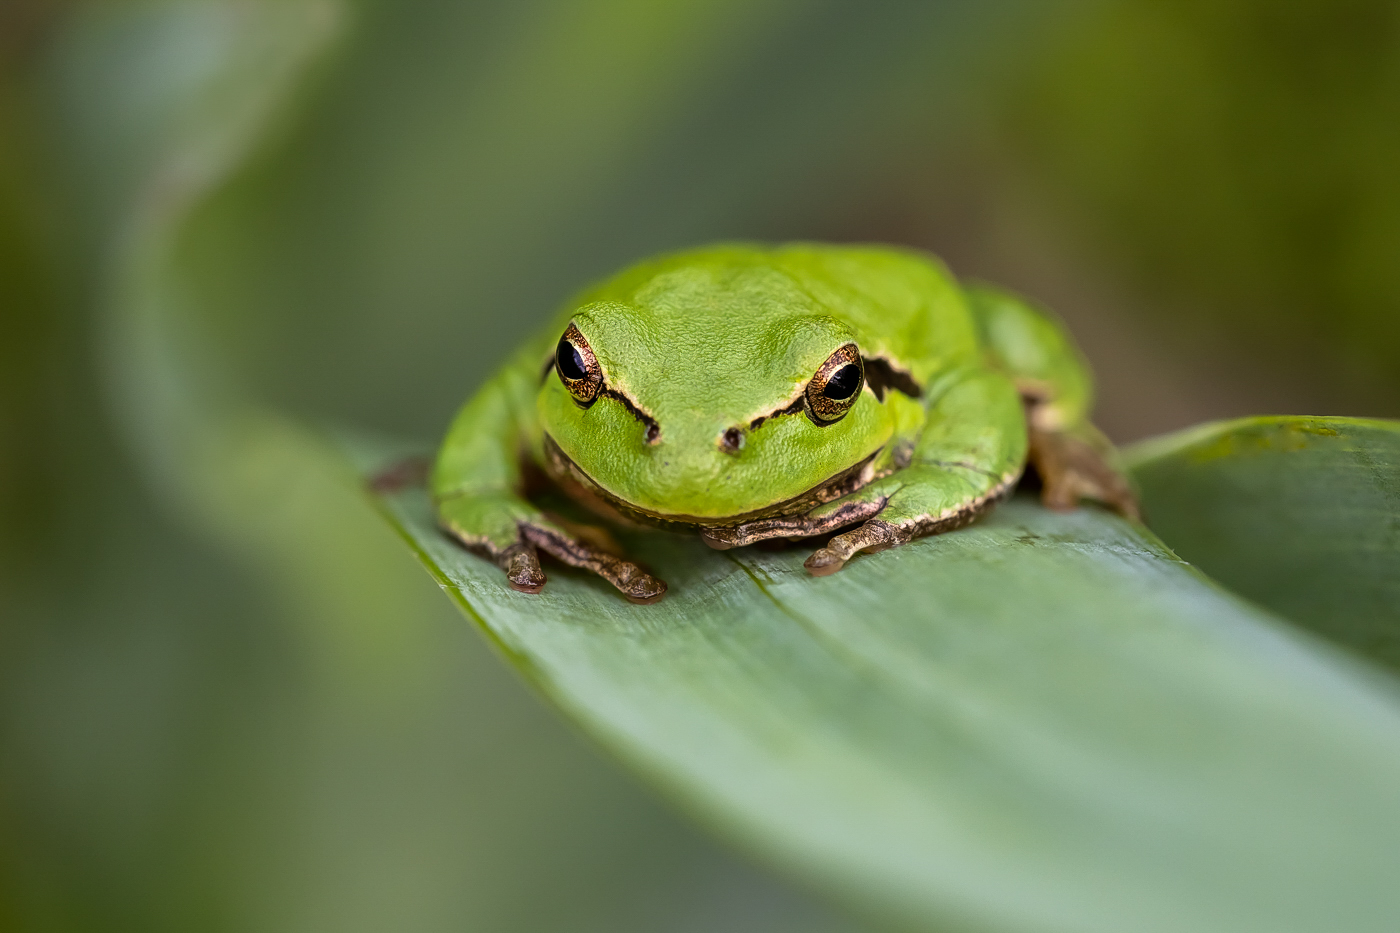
(836, 386)
(577, 367)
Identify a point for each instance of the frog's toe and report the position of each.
(722, 539)
(522, 566)
(874, 535)
(632, 581)
(1119, 497)
(639, 586)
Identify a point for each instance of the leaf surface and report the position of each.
(1301, 515)
(1042, 722)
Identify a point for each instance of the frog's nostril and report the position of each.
(653, 433)
(731, 441)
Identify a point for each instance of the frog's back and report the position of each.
(903, 305)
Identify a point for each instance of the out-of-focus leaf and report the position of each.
(1042, 722)
(1301, 515)
(1110, 743)
(291, 746)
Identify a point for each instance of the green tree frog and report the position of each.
(750, 392)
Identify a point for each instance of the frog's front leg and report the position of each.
(930, 499)
(511, 532)
(476, 482)
(492, 525)
(969, 456)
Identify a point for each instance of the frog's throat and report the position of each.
(569, 477)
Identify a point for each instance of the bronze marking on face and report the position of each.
(835, 387)
(577, 367)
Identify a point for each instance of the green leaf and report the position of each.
(1042, 722)
(1301, 515)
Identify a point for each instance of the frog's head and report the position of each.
(703, 387)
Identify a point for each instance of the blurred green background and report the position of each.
(229, 699)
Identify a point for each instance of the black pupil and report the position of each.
(843, 383)
(569, 361)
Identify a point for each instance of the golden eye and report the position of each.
(836, 386)
(577, 367)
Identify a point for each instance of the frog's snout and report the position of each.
(695, 468)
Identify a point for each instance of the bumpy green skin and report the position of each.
(725, 338)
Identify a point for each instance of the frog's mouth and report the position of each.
(581, 487)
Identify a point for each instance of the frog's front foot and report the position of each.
(522, 566)
(632, 581)
(511, 534)
(874, 535)
(1075, 466)
(914, 502)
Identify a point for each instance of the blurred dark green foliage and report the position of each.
(1237, 160)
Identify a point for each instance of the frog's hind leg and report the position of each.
(1079, 464)
(1072, 457)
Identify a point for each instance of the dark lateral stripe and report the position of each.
(881, 376)
(628, 404)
